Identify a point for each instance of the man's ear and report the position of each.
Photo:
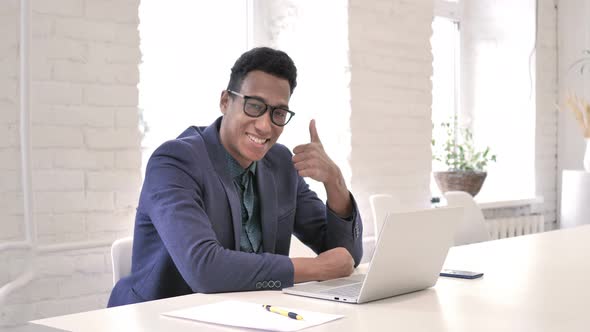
(224, 101)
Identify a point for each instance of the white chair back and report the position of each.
(121, 258)
(381, 204)
(473, 227)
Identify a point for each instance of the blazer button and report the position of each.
(265, 284)
(278, 284)
(258, 285)
(271, 284)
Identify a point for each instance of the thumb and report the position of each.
(313, 132)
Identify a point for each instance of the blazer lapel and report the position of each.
(267, 194)
(217, 154)
(234, 203)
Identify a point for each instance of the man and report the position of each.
(219, 204)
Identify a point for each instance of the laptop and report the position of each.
(408, 257)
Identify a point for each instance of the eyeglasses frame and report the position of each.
(267, 107)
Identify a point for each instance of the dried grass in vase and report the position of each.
(581, 110)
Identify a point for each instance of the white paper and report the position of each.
(251, 315)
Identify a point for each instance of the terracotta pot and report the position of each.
(468, 181)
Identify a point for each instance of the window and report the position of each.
(323, 75)
(446, 73)
(446, 64)
(188, 51)
(491, 87)
(188, 48)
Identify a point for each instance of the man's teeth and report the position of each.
(257, 140)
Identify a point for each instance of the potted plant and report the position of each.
(465, 164)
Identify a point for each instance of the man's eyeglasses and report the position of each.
(255, 108)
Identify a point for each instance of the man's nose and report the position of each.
(263, 123)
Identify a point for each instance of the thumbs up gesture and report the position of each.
(311, 160)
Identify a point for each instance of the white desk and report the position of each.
(532, 283)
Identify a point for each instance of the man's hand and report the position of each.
(311, 160)
(331, 264)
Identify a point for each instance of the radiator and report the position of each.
(515, 226)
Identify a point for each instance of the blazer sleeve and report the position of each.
(321, 229)
(175, 205)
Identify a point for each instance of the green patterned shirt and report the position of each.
(244, 180)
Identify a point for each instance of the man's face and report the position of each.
(246, 138)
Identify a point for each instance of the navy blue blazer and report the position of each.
(188, 223)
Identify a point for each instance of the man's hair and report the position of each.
(268, 60)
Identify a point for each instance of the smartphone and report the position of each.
(460, 274)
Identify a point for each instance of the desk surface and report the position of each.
(532, 283)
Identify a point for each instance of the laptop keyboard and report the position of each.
(343, 281)
(349, 290)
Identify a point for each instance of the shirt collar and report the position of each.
(235, 169)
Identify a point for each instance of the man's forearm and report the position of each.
(330, 264)
(338, 196)
(303, 269)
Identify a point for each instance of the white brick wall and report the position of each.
(546, 120)
(86, 155)
(111, 138)
(60, 7)
(11, 227)
(53, 93)
(47, 136)
(10, 186)
(391, 65)
(111, 95)
(65, 282)
(75, 116)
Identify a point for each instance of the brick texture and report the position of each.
(546, 115)
(391, 65)
(86, 154)
(86, 145)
